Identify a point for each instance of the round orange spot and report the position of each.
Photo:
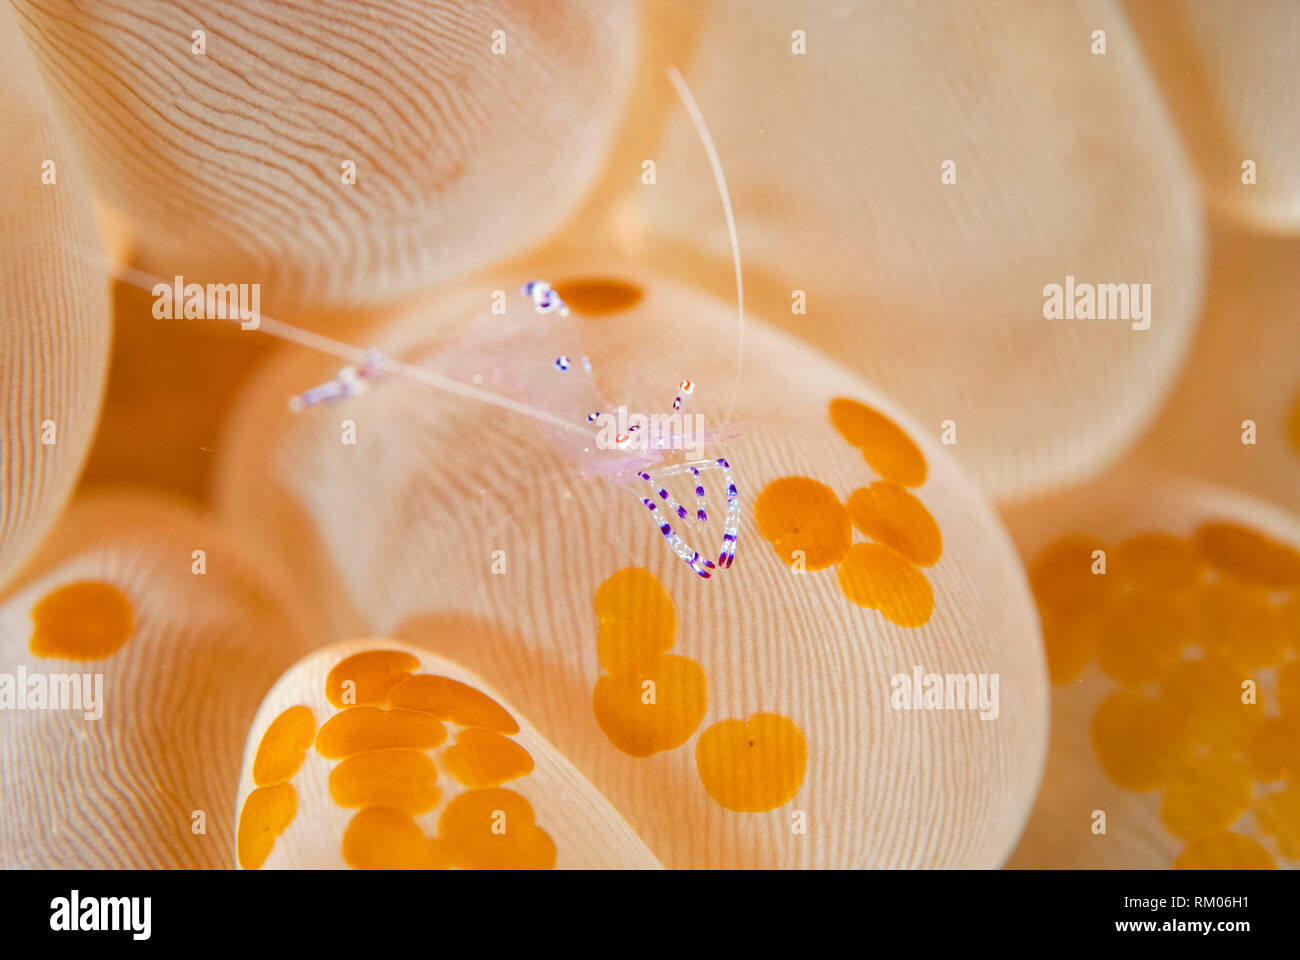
(888, 513)
(451, 700)
(366, 679)
(638, 621)
(1144, 634)
(494, 830)
(1063, 580)
(381, 838)
(596, 296)
(1248, 554)
(1157, 561)
(404, 779)
(754, 765)
(655, 708)
(874, 576)
(1070, 643)
(484, 758)
(635, 594)
(267, 813)
(283, 746)
(81, 621)
(889, 450)
(370, 728)
(1278, 814)
(1206, 796)
(799, 514)
(1274, 751)
(1225, 851)
(1207, 693)
(1141, 743)
(1242, 624)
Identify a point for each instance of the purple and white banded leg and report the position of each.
(691, 556)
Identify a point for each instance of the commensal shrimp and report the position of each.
(528, 367)
(495, 350)
(537, 362)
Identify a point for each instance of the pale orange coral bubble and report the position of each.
(477, 799)
(1065, 163)
(1229, 76)
(342, 152)
(151, 781)
(1167, 720)
(1234, 416)
(413, 517)
(54, 320)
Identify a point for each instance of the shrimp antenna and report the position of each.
(379, 362)
(354, 354)
(702, 129)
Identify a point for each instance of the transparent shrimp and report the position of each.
(537, 360)
(531, 363)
